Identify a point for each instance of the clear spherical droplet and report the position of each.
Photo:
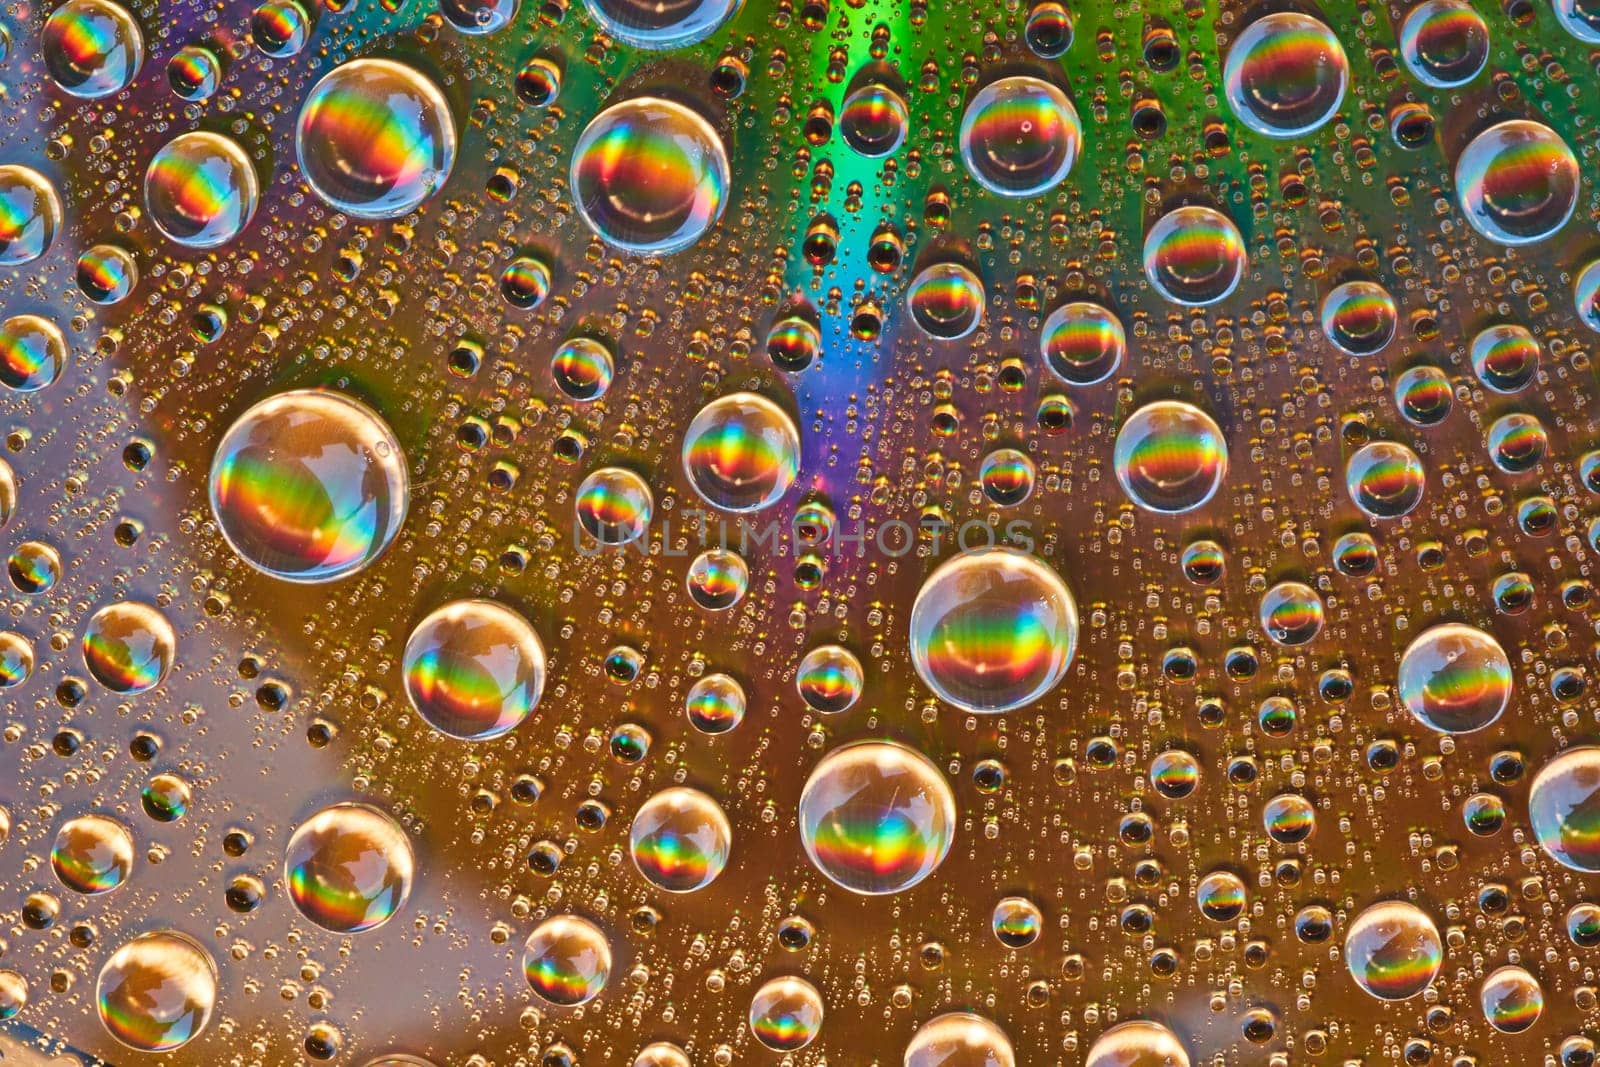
(1505, 358)
(92, 48)
(309, 486)
(1140, 1043)
(1455, 679)
(715, 704)
(874, 120)
(33, 353)
(1385, 479)
(583, 368)
(680, 840)
(375, 139)
(1170, 457)
(473, 669)
(1359, 318)
(741, 452)
(1082, 343)
(830, 679)
(1194, 256)
(1564, 809)
(1516, 442)
(1393, 951)
(201, 190)
(946, 301)
(30, 215)
(107, 274)
(349, 868)
(129, 647)
(786, 1014)
(661, 25)
(876, 817)
(649, 176)
(157, 992)
(1292, 613)
(1518, 182)
(959, 1039)
(1020, 136)
(92, 854)
(1512, 1000)
(992, 630)
(567, 960)
(718, 579)
(1445, 43)
(1285, 75)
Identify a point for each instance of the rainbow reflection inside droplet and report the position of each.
(1285, 75)
(566, 960)
(1455, 679)
(349, 868)
(129, 647)
(92, 854)
(582, 368)
(680, 840)
(650, 176)
(1292, 613)
(741, 452)
(33, 352)
(1020, 136)
(959, 1039)
(1359, 317)
(107, 274)
(876, 817)
(830, 679)
(1170, 457)
(201, 190)
(92, 48)
(1564, 809)
(375, 139)
(1385, 479)
(1516, 442)
(786, 1014)
(473, 669)
(30, 215)
(157, 992)
(1512, 1000)
(614, 506)
(1505, 357)
(661, 24)
(717, 579)
(309, 486)
(874, 120)
(946, 301)
(1423, 395)
(1518, 182)
(1194, 256)
(1082, 343)
(715, 704)
(1392, 950)
(993, 629)
(1445, 43)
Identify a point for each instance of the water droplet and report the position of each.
(349, 868)
(1359, 318)
(661, 25)
(1385, 479)
(1512, 1000)
(1393, 951)
(30, 215)
(309, 486)
(1455, 679)
(1564, 809)
(1518, 182)
(1285, 75)
(1137, 1044)
(474, 669)
(107, 274)
(33, 352)
(375, 139)
(830, 679)
(718, 579)
(129, 647)
(92, 854)
(741, 452)
(1082, 343)
(92, 48)
(1170, 457)
(1194, 256)
(715, 704)
(567, 960)
(1020, 136)
(1445, 43)
(992, 630)
(680, 840)
(201, 190)
(786, 1014)
(874, 120)
(157, 992)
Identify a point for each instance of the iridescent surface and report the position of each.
(349, 868)
(567, 960)
(1455, 678)
(1286, 74)
(1518, 182)
(730, 652)
(1170, 457)
(474, 669)
(201, 190)
(157, 992)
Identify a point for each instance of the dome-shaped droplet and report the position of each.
(662, 24)
(1082, 343)
(649, 176)
(157, 992)
(473, 669)
(1393, 951)
(1512, 1000)
(567, 960)
(349, 868)
(194, 72)
(1285, 74)
(993, 629)
(874, 120)
(786, 1014)
(201, 190)
(959, 1039)
(1359, 318)
(107, 274)
(1423, 395)
(1505, 357)
(92, 854)
(614, 506)
(30, 215)
(741, 452)
(33, 353)
(1455, 679)
(1564, 809)
(1170, 457)
(680, 840)
(1518, 182)
(1580, 18)
(946, 301)
(876, 817)
(718, 579)
(715, 704)
(1516, 442)
(1194, 256)
(830, 679)
(309, 486)
(1137, 1044)
(1385, 479)
(375, 139)
(1020, 136)
(92, 48)
(1292, 613)
(1445, 43)
(129, 647)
